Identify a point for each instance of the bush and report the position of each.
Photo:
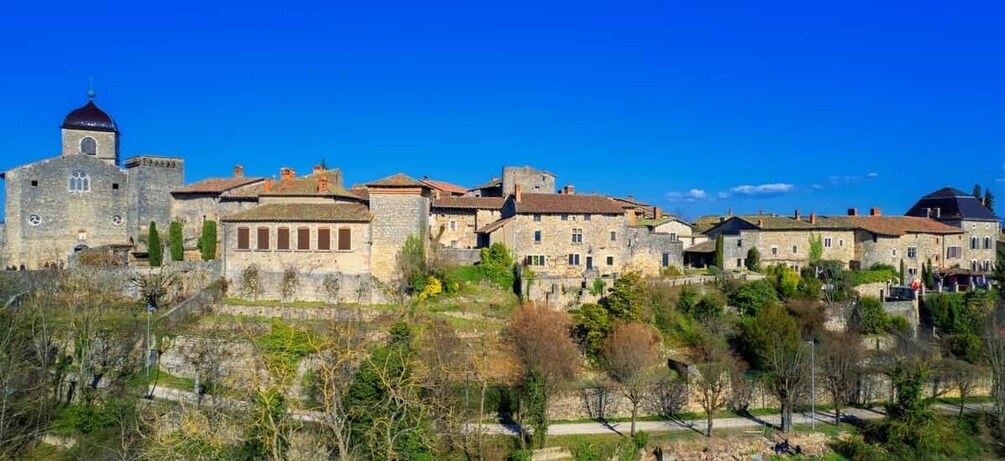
(873, 276)
(753, 260)
(521, 455)
(749, 298)
(640, 440)
(175, 242)
(869, 317)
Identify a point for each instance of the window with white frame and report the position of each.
(954, 252)
(573, 259)
(80, 182)
(827, 242)
(973, 243)
(912, 252)
(453, 226)
(537, 236)
(577, 236)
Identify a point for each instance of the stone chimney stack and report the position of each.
(268, 185)
(517, 193)
(318, 169)
(657, 212)
(813, 218)
(797, 216)
(286, 174)
(322, 181)
(853, 212)
(875, 212)
(238, 171)
(569, 189)
(938, 212)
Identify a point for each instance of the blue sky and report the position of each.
(694, 106)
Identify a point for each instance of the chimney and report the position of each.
(238, 171)
(875, 212)
(322, 181)
(813, 218)
(630, 197)
(517, 193)
(729, 212)
(938, 212)
(760, 223)
(797, 216)
(853, 212)
(657, 212)
(286, 174)
(569, 189)
(268, 185)
(318, 169)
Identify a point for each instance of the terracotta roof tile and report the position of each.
(471, 203)
(303, 212)
(444, 186)
(895, 225)
(398, 180)
(707, 246)
(561, 203)
(303, 185)
(215, 185)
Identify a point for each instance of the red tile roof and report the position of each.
(303, 185)
(444, 186)
(895, 225)
(561, 203)
(470, 203)
(215, 185)
(303, 212)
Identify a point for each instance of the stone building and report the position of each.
(964, 211)
(400, 209)
(209, 200)
(83, 198)
(781, 240)
(454, 221)
(678, 229)
(531, 179)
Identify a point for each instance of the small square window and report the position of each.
(565, 217)
(537, 217)
(34, 183)
(115, 186)
(610, 260)
(587, 217)
(537, 236)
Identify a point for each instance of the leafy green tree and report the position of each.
(686, 300)
(719, 252)
(708, 307)
(869, 317)
(591, 327)
(412, 263)
(749, 298)
(757, 332)
(816, 248)
(156, 250)
(207, 241)
(175, 241)
(496, 264)
(784, 280)
(626, 298)
(753, 260)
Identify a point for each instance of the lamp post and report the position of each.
(151, 307)
(813, 385)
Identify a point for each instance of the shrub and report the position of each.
(496, 264)
(640, 440)
(156, 251)
(749, 298)
(290, 283)
(869, 317)
(753, 260)
(175, 241)
(251, 282)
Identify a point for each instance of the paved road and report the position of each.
(753, 424)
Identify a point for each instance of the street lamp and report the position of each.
(151, 307)
(813, 385)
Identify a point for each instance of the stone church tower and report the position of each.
(90, 131)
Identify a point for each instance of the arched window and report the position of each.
(973, 243)
(88, 146)
(973, 265)
(987, 243)
(80, 182)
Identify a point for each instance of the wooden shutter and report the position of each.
(344, 239)
(243, 237)
(303, 238)
(324, 238)
(283, 240)
(263, 238)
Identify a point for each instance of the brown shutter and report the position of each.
(304, 238)
(243, 238)
(263, 238)
(324, 238)
(344, 239)
(283, 242)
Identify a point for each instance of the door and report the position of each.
(589, 263)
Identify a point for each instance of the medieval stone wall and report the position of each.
(395, 218)
(532, 180)
(151, 180)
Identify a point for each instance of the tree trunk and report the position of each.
(963, 399)
(635, 411)
(786, 417)
(481, 417)
(708, 423)
(837, 413)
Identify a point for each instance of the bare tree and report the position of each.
(711, 383)
(962, 375)
(788, 365)
(549, 358)
(629, 356)
(841, 365)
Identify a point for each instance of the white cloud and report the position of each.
(763, 189)
(696, 194)
(872, 175)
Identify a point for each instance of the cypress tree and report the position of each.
(207, 243)
(175, 243)
(719, 252)
(156, 251)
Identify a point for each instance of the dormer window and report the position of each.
(79, 182)
(88, 146)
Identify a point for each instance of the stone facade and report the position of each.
(151, 180)
(914, 250)
(396, 216)
(106, 144)
(594, 244)
(650, 252)
(979, 250)
(790, 248)
(457, 227)
(531, 179)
